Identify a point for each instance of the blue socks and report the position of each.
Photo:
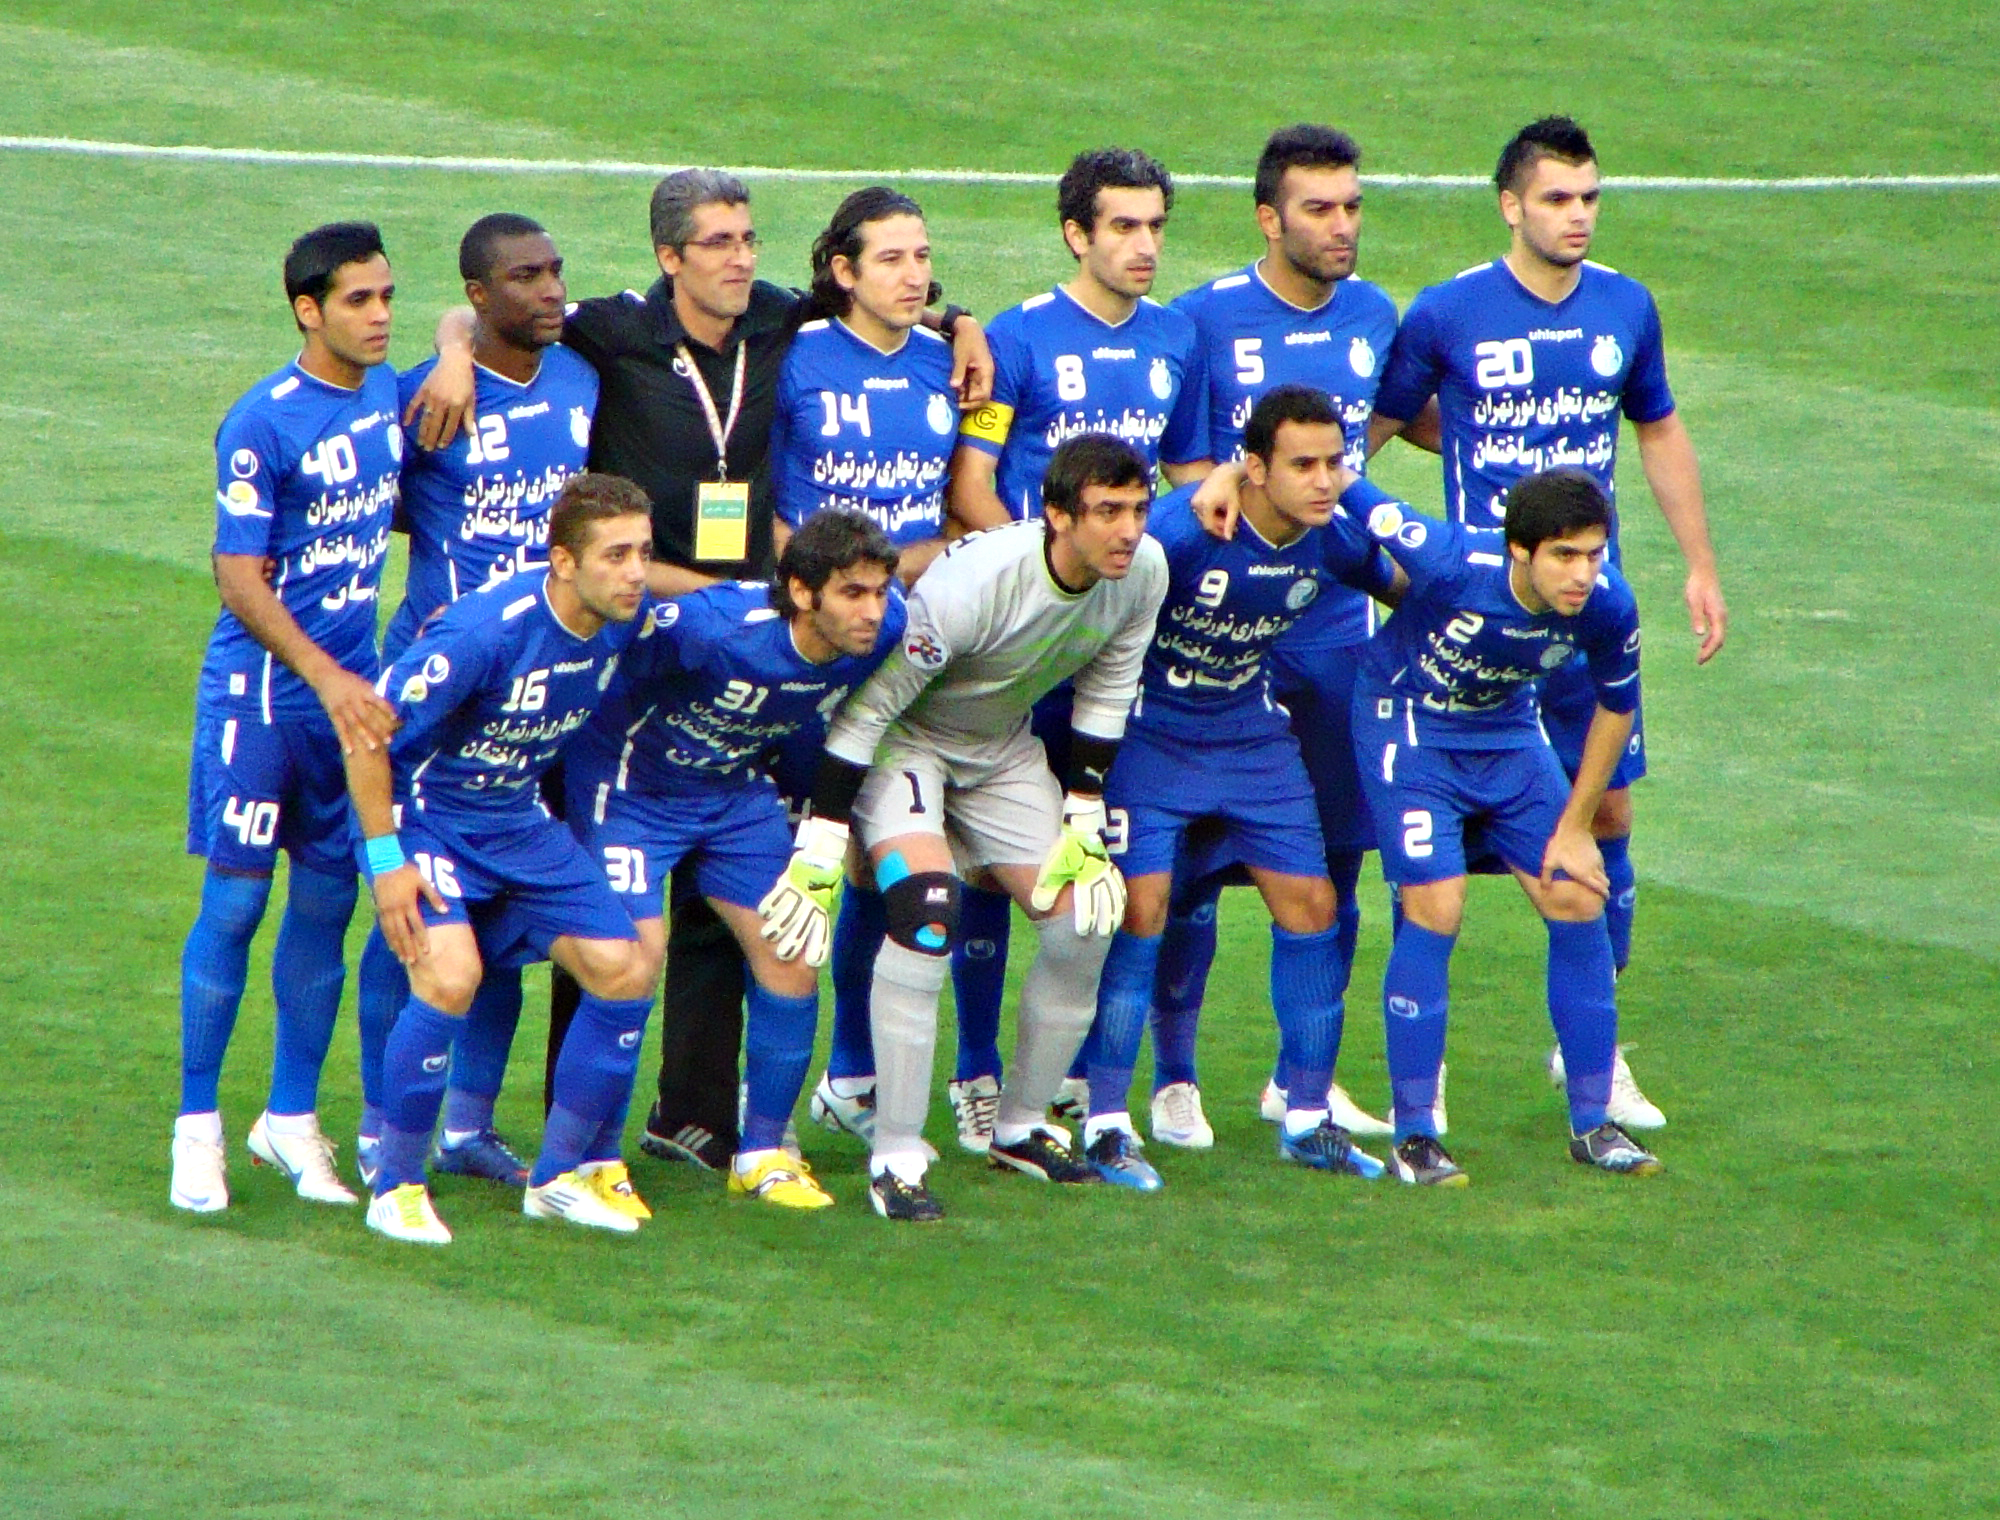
(600, 1056)
(778, 1050)
(214, 966)
(979, 979)
(1187, 951)
(1124, 997)
(1307, 981)
(1415, 997)
(1585, 1013)
(308, 970)
(1619, 909)
(414, 1064)
(382, 988)
(858, 932)
(479, 1065)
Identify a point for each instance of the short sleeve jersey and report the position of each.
(1254, 340)
(1459, 661)
(307, 476)
(1059, 371)
(864, 430)
(991, 633)
(716, 688)
(489, 695)
(478, 509)
(1524, 384)
(1228, 601)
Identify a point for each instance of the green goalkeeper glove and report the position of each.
(798, 911)
(1080, 861)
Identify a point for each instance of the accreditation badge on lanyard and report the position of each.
(721, 505)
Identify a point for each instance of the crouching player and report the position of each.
(939, 739)
(1208, 742)
(1447, 735)
(488, 696)
(673, 769)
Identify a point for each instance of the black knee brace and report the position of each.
(922, 912)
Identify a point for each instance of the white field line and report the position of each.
(87, 147)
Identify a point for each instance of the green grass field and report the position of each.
(1795, 1321)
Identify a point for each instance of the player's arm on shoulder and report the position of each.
(1666, 453)
(446, 401)
(1421, 547)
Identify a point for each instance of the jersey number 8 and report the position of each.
(1069, 377)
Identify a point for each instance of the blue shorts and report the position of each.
(521, 885)
(739, 838)
(1256, 790)
(255, 788)
(1427, 800)
(1569, 701)
(1315, 684)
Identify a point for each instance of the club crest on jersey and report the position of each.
(243, 463)
(923, 651)
(1161, 379)
(395, 445)
(1554, 655)
(660, 615)
(940, 414)
(1361, 357)
(437, 669)
(579, 427)
(1301, 595)
(1606, 355)
(604, 676)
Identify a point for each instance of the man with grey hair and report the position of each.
(688, 376)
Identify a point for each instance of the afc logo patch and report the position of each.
(923, 651)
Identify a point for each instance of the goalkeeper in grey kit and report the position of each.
(933, 763)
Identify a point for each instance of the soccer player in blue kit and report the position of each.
(866, 415)
(1298, 315)
(1208, 742)
(1533, 358)
(307, 466)
(467, 863)
(1093, 355)
(674, 768)
(1447, 735)
(477, 512)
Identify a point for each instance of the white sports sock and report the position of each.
(291, 1124)
(199, 1127)
(1005, 1133)
(851, 1087)
(910, 1165)
(1303, 1121)
(747, 1162)
(1097, 1124)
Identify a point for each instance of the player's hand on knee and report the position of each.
(1572, 851)
(444, 402)
(1080, 862)
(359, 715)
(1215, 500)
(798, 911)
(397, 894)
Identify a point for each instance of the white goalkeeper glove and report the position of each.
(798, 911)
(1080, 861)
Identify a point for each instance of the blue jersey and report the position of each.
(1228, 601)
(864, 430)
(305, 476)
(1525, 385)
(1458, 663)
(1254, 340)
(490, 693)
(718, 686)
(1059, 372)
(478, 509)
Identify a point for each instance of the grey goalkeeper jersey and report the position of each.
(991, 633)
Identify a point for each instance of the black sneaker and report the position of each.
(1421, 1160)
(1610, 1149)
(896, 1199)
(1042, 1155)
(690, 1143)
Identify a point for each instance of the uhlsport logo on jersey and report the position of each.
(1605, 355)
(629, 1039)
(1361, 357)
(579, 427)
(243, 463)
(1161, 379)
(1405, 1008)
(435, 1063)
(437, 669)
(940, 414)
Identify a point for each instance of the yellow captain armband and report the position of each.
(989, 424)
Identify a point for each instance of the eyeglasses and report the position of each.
(725, 242)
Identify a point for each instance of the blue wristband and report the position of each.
(384, 854)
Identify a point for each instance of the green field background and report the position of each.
(1795, 1321)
